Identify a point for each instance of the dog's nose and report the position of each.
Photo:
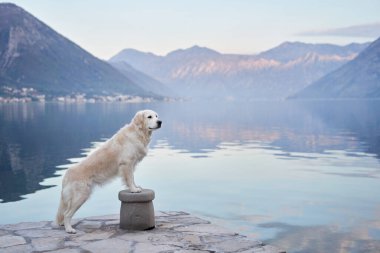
(159, 122)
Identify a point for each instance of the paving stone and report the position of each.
(204, 228)
(72, 244)
(110, 245)
(182, 219)
(3, 232)
(24, 225)
(89, 225)
(213, 238)
(105, 217)
(264, 249)
(138, 236)
(190, 251)
(17, 249)
(66, 251)
(11, 240)
(33, 233)
(152, 248)
(162, 238)
(192, 239)
(178, 221)
(96, 235)
(235, 245)
(41, 244)
(113, 222)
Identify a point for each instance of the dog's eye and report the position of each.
(149, 117)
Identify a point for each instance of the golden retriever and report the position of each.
(117, 156)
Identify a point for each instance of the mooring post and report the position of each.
(137, 211)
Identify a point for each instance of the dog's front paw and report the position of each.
(135, 189)
(71, 231)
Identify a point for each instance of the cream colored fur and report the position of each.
(117, 156)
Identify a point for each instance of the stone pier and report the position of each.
(174, 232)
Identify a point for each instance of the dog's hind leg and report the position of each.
(75, 200)
(61, 209)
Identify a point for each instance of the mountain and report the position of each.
(288, 51)
(359, 78)
(276, 73)
(144, 81)
(167, 69)
(32, 55)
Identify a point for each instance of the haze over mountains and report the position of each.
(144, 81)
(34, 56)
(273, 74)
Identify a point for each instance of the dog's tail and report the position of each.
(60, 217)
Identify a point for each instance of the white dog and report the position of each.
(117, 156)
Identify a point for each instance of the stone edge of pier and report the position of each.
(174, 232)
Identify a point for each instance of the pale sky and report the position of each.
(229, 26)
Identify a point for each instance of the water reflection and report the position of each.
(332, 238)
(35, 138)
(309, 127)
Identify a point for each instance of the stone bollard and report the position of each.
(137, 211)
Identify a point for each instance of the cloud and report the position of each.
(366, 30)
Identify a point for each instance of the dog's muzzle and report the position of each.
(159, 122)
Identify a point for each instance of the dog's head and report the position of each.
(147, 120)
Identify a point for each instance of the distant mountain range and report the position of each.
(273, 74)
(359, 78)
(32, 55)
(36, 59)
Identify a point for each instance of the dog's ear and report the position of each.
(139, 120)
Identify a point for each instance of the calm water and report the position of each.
(303, 176)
